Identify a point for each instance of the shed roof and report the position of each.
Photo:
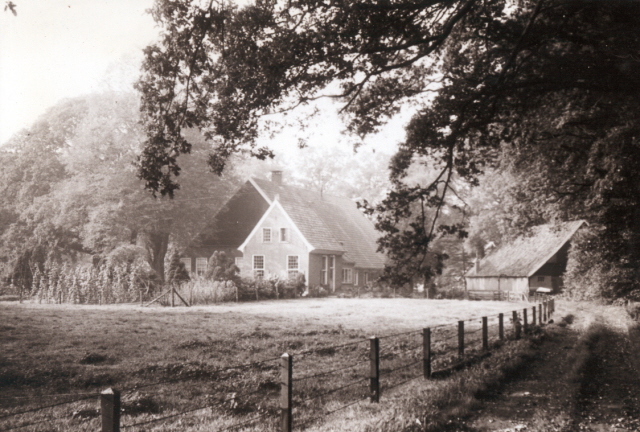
(527, 254)
(329, 223)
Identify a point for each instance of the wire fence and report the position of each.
(267, 395)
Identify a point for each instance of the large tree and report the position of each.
(545, 90)
(83, 195)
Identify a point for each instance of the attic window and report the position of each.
(540, 278)
(284, 235)
(266, 235)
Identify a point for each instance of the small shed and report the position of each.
(530, 263)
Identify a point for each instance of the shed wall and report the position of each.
(515, 285)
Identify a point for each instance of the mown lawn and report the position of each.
(167, 361)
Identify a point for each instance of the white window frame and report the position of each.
(258, 271)
(324, 270)
(366, 278)
(332, 270)
(347, 275)
(269, 238)
(200, 269)
(284, 235)
(292, 272)
(355, 279)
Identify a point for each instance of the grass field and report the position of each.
(63, 349)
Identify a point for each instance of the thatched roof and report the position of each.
(526, 255)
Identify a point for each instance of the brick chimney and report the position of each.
(276, 177)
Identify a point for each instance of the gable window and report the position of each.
(187, 263)
(325, 269)
(347, 275)
(201, 266)
(284, 235)
(266, 235)
(258, 266)
(540, 278)
(293, 266)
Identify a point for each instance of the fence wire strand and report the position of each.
(171, 415)
(175, 380)
(243, 424)
(401, 367)
(328, 413)
(43, 407)
(352, 383)
(48, 396)
(400, 334)
(403, 382)
(319, 374)
(25, 425)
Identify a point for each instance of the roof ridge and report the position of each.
(528, 252)
(299, 188)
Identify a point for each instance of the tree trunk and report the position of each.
(157, 245)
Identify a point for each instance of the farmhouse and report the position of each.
(273, 229)
(532, 263)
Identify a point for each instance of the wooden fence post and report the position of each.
(516, 324)
(374, 374)
(426, 352)
(533, 316)
(540, 314)
(485, 333)
(525, 319)
(286, 392)
(460, 339)
(501, 326)
(110, 410)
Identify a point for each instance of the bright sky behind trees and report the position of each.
(54, 49)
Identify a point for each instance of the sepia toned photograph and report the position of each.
(320, 215)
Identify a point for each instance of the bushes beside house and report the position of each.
(207, 291)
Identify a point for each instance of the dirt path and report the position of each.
(585, 377)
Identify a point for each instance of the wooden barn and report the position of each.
(529, 264)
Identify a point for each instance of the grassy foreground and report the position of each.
(168, 361)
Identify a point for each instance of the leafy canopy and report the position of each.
(545, 90)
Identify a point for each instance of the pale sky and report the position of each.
(56, 49)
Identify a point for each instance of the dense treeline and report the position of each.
(542, 93)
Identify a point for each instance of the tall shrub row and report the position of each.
(104, 284)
